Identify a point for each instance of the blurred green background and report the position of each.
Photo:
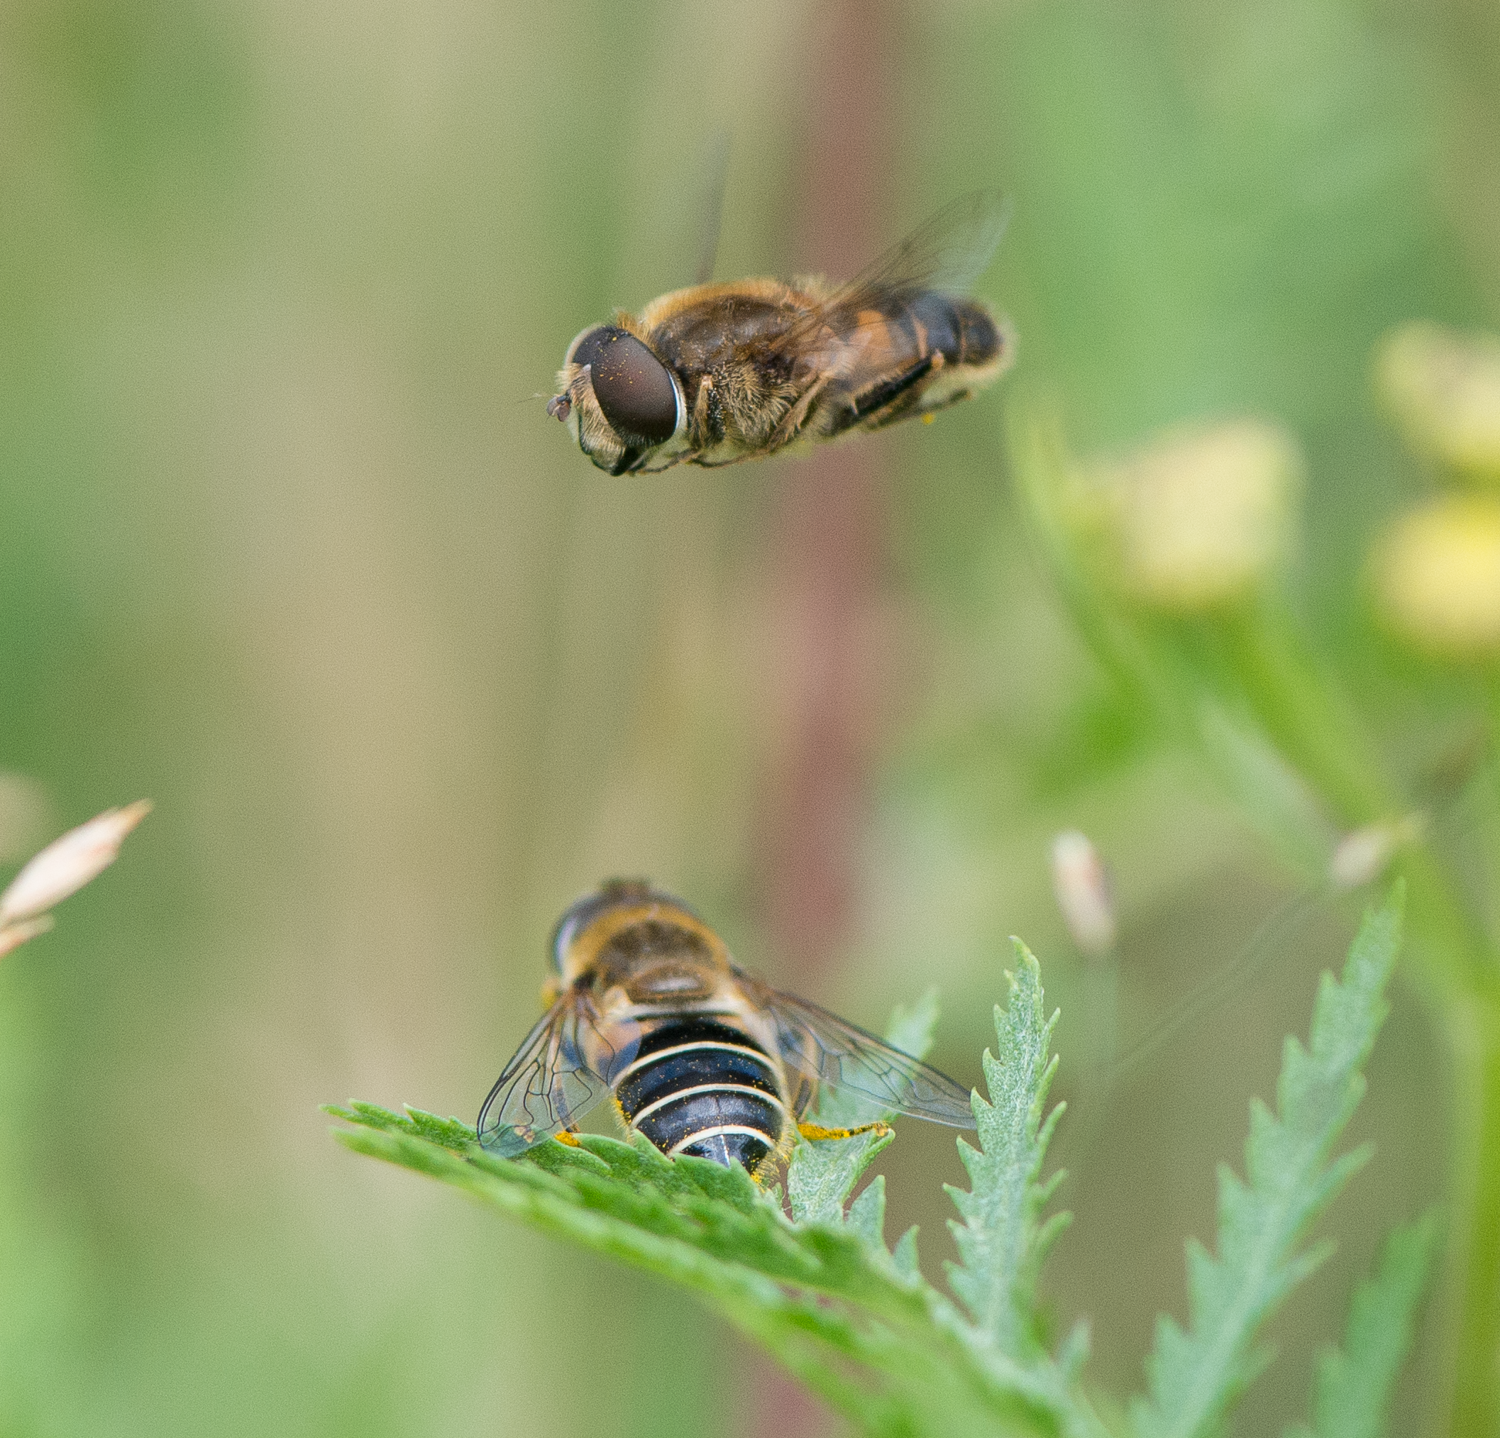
(289, 548)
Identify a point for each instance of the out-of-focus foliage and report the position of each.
(1354, 1382)
(286, 546)
(1197, 1372)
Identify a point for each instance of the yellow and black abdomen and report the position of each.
(702, 1087)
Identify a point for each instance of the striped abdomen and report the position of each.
(962, 331)
(920, 353)
(702, 1087)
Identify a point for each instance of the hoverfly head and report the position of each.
(610, 896)
(626, 400)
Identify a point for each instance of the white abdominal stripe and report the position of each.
(700, 1087)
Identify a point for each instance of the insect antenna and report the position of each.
(1360, 858)
(1206, 996)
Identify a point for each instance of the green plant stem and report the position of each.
(1306, 716)
(1454, 964)
(1472, 1279)
(1459, 978)
(1316, 730)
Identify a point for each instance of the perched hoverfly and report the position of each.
(720, 373)
(699, 1056)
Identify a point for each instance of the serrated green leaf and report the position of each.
(823, 1172)
(1001, 1241)
(1353, 1386)
(1074, 1352)
(553, 1155)
(882, 1347)
(866, 1216)
(450, 1132)
(1195, 1374)
(904, 1255)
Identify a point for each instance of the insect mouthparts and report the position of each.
(559, 407)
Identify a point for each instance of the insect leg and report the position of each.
(905, 410)
(701, 403)
(787, 427)
(703, 414)
(883, 394)
(815, 1131)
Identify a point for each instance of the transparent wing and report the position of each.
(827, 1050)
(557, 1075)
(716, 172)
(946, 254)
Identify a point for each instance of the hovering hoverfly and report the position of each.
(720, 373)
(699, 1056)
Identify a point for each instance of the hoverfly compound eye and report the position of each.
(634, 388)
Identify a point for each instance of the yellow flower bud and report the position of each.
(1443, 388)
(1437, 576)
(1199, 518)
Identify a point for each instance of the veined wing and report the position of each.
(557, 1075)
(947, 254)
(828, 1050)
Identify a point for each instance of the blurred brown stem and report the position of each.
(825, 534)
(826, 528)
